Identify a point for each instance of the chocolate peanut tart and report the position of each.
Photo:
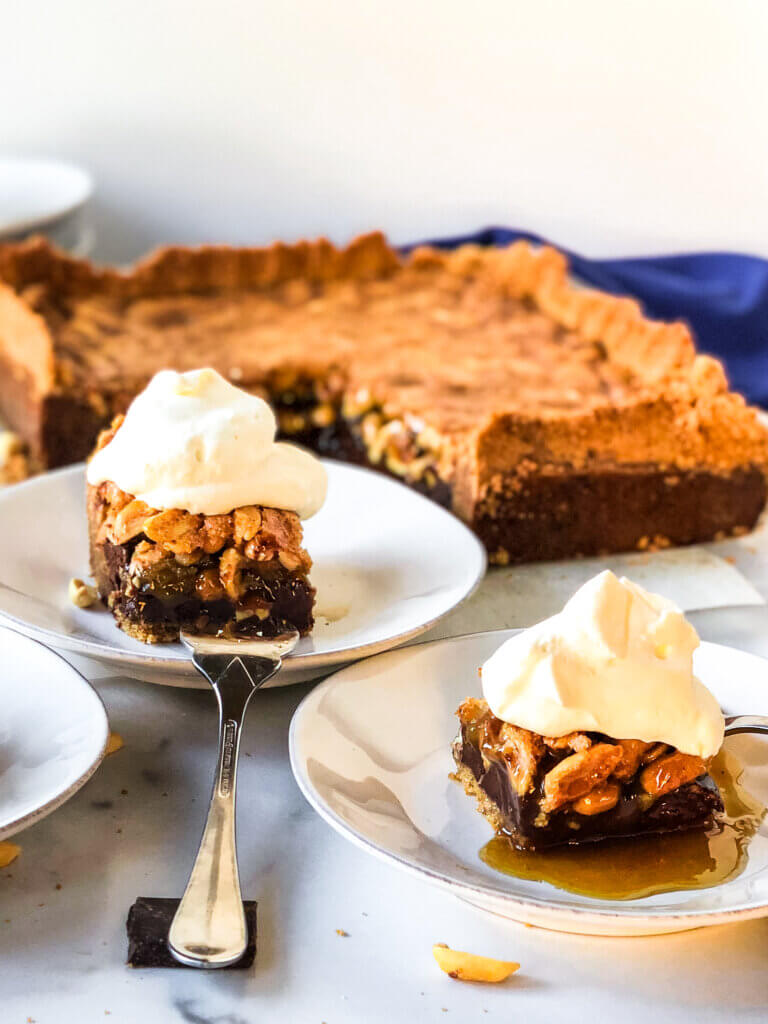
(205, 533)
(616, 661)
(554, 420)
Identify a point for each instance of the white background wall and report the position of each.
(610, 125)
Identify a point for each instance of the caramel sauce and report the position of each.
(626, 869)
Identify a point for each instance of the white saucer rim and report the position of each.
(32, 817)
(39, 224)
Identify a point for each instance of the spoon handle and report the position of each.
(735, 724)
(209, 928)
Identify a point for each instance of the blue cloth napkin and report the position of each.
(722, 296)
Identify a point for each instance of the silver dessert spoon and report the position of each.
(209, 929)
(735, 724)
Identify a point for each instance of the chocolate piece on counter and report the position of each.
(149, 921)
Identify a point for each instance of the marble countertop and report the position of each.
(133, 830)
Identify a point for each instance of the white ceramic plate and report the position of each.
(387, 564)
(35, 194)
(370, 749)
(53, 732)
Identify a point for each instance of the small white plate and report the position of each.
(36, 194)
(387, 564)
(370, 749)
(53, 732)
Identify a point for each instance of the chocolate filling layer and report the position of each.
(690, 806)
(165, 600)
(555, 516)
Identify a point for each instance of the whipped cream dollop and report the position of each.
(617, 660)
(194, 441)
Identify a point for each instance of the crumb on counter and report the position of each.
(82, 594)
(469, 967)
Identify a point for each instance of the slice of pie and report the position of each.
(544, 791)
(243, 573)
(208, 538)
(551, 752)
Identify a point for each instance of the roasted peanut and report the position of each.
(601, 798)
(130, 521)
(470, 967)
(289, 560)
(671, 772)
(176, 530)
(82, 594)
(216, 531)
(632, 752)
(146, 555)
(574, 741)
(247, 523)
(522, 750)
(576, 775)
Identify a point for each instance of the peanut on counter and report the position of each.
(469, 967)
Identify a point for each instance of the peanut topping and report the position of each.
(129, 522)
(146, 555)
(601, 798)
(258, 534)
(522, 751)
(247, 523)
(576, 775)
(215, 533)
(289, 560)
(670, 772)
(631, 754)
(574, 741)
(176, 530)
(588, 782)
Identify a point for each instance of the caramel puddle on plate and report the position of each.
(628, 869)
